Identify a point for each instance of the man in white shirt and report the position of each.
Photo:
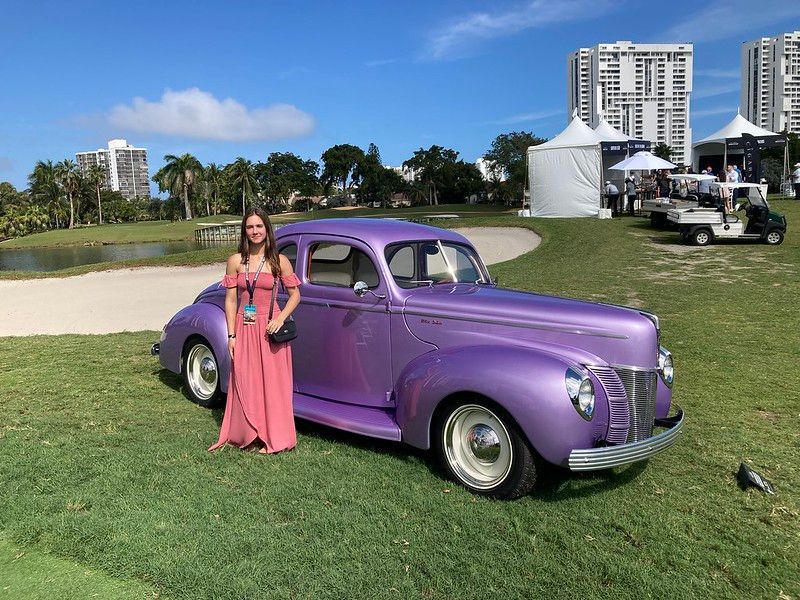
(796, 181)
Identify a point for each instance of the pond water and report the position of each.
(53, 259)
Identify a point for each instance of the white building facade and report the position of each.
(125, 168)
(643, 90)
(770, 96)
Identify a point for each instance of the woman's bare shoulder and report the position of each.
(286, 265)
(233, 264)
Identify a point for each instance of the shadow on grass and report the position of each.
(175, 382)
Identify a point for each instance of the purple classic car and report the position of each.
(403, 336)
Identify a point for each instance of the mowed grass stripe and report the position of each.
(104, 460)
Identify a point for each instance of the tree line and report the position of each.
(59, 195)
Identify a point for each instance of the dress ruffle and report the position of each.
(228, 281)
(290, 280)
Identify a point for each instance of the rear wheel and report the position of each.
(701, 237)
(774, 237)
(480, 447)
(200, 373)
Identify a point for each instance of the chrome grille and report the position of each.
(619, 413)
(640, 386)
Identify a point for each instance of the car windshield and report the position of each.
(433, 261)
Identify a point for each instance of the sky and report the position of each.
(227, 79)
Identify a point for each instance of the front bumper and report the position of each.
(607, 457)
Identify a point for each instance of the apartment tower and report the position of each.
(771, 82)
(641, 89)
(125, 168)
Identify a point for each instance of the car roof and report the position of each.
(377, 233)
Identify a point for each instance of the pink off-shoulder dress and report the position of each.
(259, 407)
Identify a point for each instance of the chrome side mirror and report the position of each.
(360, 289)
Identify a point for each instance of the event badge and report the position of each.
(249, 314)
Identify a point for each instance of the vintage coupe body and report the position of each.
(403, 336)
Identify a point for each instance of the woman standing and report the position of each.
(258, 414)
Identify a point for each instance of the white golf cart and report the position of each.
(686, 195)
(702, 225)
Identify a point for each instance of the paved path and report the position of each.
(146, 298)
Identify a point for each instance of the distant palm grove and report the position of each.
(59, 195)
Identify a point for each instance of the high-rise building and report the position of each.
(125, 168)
(641, 89)
(771, 82)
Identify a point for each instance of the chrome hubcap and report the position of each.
(702, 238)
(202, 371)
(477, 446)
(773, 238)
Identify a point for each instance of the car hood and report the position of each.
(455, 314)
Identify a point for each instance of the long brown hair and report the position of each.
(270, 249)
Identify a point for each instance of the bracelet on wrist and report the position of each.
(231, 336)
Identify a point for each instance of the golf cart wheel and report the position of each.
(200, 373)
(774, 237)
(480, 446)
(701, 237)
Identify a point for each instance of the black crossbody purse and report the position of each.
(289, 329)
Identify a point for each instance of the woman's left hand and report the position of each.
(274, 326)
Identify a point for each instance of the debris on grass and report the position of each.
(747, 477)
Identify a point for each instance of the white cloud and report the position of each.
(714, 90)
(456, 39)
(718, 73)
(528, 117)
(193, 113)
(718, 110)
(734, 18)
(379, 62)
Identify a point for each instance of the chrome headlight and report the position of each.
(665, 367)
(581, 391)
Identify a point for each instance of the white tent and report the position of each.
(714, 144)
(608, 133)
(565, 173)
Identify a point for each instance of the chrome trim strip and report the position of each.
(592, 459)
(514, 324)
(314, 302)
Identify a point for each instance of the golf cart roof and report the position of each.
(735, 186)
(692, 176)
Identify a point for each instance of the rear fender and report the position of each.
(203, 319)
(527, 383)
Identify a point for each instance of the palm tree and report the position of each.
(44, 189)
(179, 176)
(70, 179)
(242, 174)
(96, 176)
(215, 180)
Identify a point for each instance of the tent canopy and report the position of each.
(576, 134)
(737, 126)
(643, 161)
(608, 133)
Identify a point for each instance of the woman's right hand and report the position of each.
(231, 346)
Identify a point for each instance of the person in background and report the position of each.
(612, 195)
(739, 173)
(630, 192)
(663, 183)
(796, 181)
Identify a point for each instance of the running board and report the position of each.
(364, 420)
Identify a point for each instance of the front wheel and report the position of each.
(774, 237)
(701, 237)
(482, 449)
(201, 374)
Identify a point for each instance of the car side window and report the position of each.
(340, 265)
(290, 252)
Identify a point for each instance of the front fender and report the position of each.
(204, 319)
(527, 383)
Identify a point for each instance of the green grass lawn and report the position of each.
(103, 460)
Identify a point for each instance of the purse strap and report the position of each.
(275, 281)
